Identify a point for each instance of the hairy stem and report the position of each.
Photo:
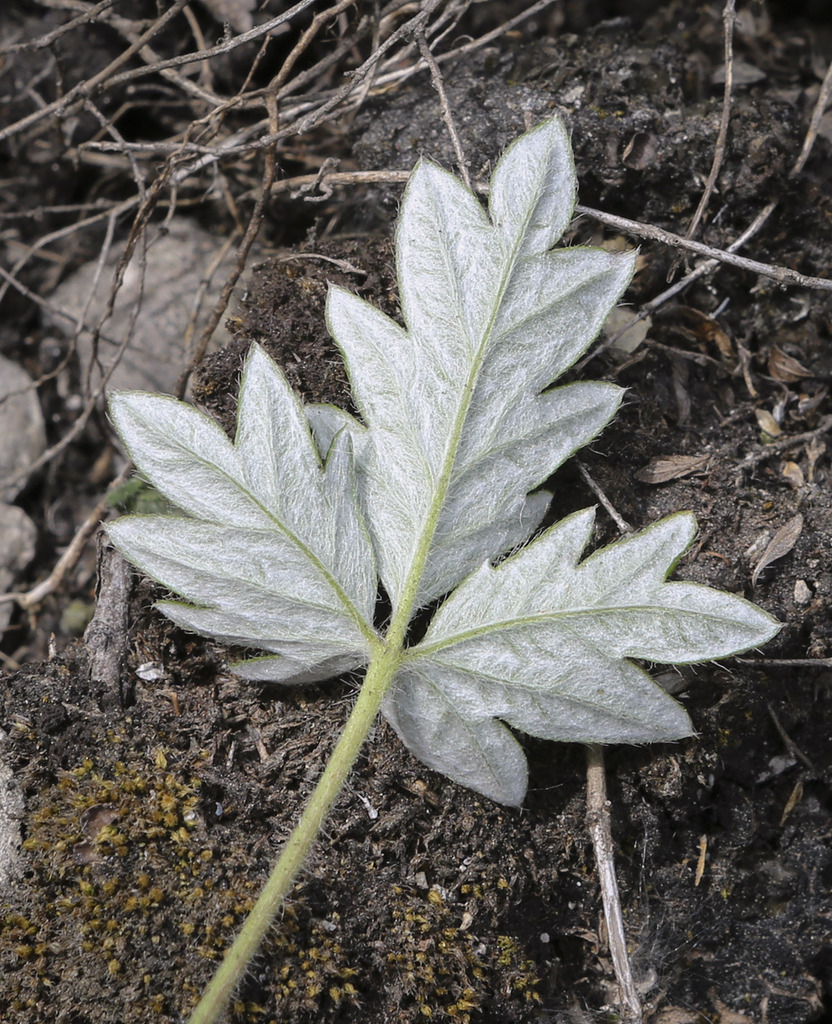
(379, 676)
(598, 823)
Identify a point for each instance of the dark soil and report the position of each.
(156, 802)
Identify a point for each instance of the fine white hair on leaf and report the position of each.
(286, 532)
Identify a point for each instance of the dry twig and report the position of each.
(90, 85)
(786, 662)
(239, 264)
(619, 520)
(447, 114)
(33, 598)
(729, 16)
(784, 275)
(598, 823)
(783, 445)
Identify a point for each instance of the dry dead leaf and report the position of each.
(779, 545)
(807, 404)
(793, 474)
(640, 152)
(675, 1015)
(785, 368)
(617, 243)
(671, 467)
(631, 336)
(768, 424)
(725, 1015)
(705, 330)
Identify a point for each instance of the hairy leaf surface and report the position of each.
(542, 643)
(458, 423)
(458, 432)
(275, 554)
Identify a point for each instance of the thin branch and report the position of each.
(786, 662)
(314, 118)
(495, 33)
(447, 114)
(784, 444)
(267, 28)
(42, 42)
(821, 104)
(74, 430)
(302, 45)
(374, 26)
(196, 307)
(153, 62)
(89, 85)
(729, 16)
(240, 262)
(316, 114)
(623, 526)
(783, 275)
(792, 747)
(598, 824)
(40, 212)
(35, 597)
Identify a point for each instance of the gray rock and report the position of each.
(22, 432)
(177, 262)
(17, 548)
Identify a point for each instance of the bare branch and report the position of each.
(729, 16)
(598, 824)
(42, 42)
(824, 97)
(89, 86)
(783, 275)
(242, 254)
(69, 559)
(439, 85)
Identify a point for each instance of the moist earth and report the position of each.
(155, 799)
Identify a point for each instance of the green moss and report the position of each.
(444, 971)
(112, 844)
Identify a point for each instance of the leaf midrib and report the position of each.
(366, 630)
(428, 649)
(414, 577)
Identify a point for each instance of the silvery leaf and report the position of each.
(272, 552)
(542, 642)
(459, 426)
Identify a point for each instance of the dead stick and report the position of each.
(36, 596)
(619, 520)
(729, 16)
(786, 662)
(598, 823)
(783, 275)
(784, 444)
(814, 122)
(88, 87)
(240, 262)
(447, 114)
